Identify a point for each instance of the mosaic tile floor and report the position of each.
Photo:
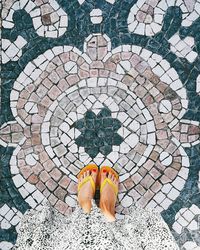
(111, 82)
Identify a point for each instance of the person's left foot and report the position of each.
(86, 192)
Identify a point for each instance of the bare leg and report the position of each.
(108, 197)
(86, 193)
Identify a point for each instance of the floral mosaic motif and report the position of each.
(98, 132)
(146, 17)
(49, 19)
(144, 93)
(140, 88)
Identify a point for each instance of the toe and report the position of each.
(94, 174)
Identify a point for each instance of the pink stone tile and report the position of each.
(69, 211)
(33, 179)
(64, 182)
(140, 189)
(140, 91)
(103, 73)
(63, 85)
(92, 53)
(47, 83)
(161, 86)
(21, 103)
(64, 57)
(147, 181)
(37, 118)
(60, 193)
(49, 165)
(128, 80)
(54, 77)
(83, 74)
(101, 52)
(24, 94)
(116, 76)
(41, 110)
(85, 66)
(140, 16)
(149, 164)
(54, 92)
(61, 206)
(94, 73)
(171, 173)
(163, 143)
(61, 72)
(41, 91)
(22, 113)
(21, 163)
(148, 99)
(40, 186)
(110, 66)
(164, 179)
(155, 173)
(80, 61)
(134, 194)
(73, 56)
(56, 60)
(46, 193)
(55, 174)
(142, 171)
(30, 88)
(156, 187)
(176, 165)
(135, 59)
(36, 128)
(43, 156)
(37, 168)
(50, 67)
(52, 199)
(34, 98)
(36, 139)
(161, 134)
(26, 171)
(126, 55)
(46, 101)
(193, 130)
(136, 178)
(72, 79)
(116, 58)
(122, 188)
(97, 64)
(128, 183)
(44, 176)
(51, 184)
(101, 41)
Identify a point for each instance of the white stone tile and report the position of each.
(30, 160)
(70, 201)
(173, 194)
(5, 224)
(18, 180)
(4, 210)
(179, 183)
(127, 201)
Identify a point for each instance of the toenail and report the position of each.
(94, 170)
(104, 171)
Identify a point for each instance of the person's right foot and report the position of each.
(108, 196)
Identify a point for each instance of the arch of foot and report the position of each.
(49, 19)
(63, 85)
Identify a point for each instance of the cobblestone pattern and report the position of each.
(149, 99)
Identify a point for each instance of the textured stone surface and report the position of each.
(53, 73)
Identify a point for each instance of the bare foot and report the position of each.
(108, 197)
(86, 193)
